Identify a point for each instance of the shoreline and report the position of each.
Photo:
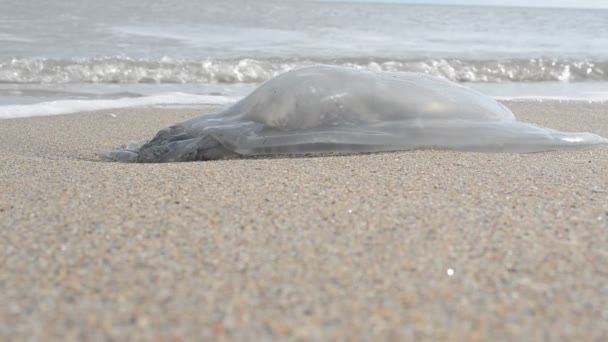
(196, 96)
(406, 245)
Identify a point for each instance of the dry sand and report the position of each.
(356, 246)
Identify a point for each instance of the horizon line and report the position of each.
(440, 3)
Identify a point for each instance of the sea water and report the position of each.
(65, 56)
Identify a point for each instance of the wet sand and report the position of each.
(423, 244)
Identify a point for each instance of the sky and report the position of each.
(523, 3)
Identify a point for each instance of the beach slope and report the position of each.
(422, 244)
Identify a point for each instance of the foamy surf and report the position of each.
(561, 99)
(177, 99)
(74, 106)
(121, 70)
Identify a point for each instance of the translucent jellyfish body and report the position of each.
(337, 109)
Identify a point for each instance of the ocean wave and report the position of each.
(167, 70)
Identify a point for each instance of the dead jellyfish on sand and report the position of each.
(338, 109)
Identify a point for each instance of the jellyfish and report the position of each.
(325, 108)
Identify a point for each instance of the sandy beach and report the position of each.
(423, 244)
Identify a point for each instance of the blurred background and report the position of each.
(195, 53)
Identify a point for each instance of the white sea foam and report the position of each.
(177, 99)
(564, 99)
(52, 99)
(592, 92)
(121, 70)
(73, 106)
